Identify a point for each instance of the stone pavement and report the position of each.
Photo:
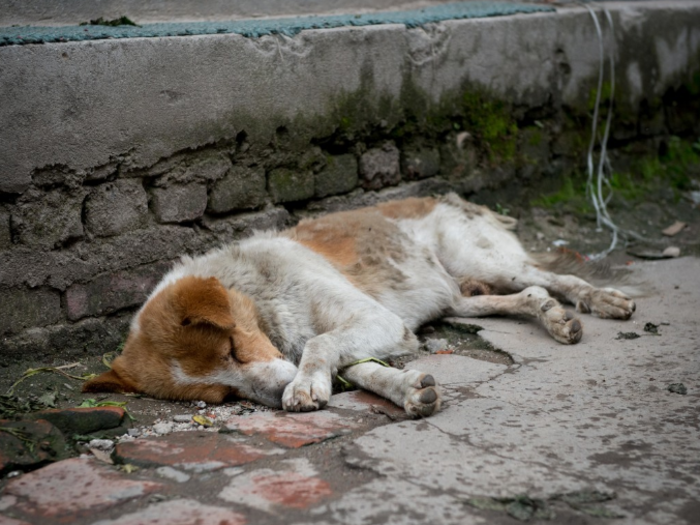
(573, 434)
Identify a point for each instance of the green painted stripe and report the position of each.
(259, 27)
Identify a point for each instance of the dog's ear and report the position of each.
(203, 301)
(110, 381)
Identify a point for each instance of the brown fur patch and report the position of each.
(197, 324)
(411, 208)
(471, 288)
(361, 244)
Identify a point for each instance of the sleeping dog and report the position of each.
(275, 317)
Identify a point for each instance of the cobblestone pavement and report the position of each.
(569, 433)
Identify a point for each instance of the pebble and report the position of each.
(163, 428)
(182, 418)
(434, 345)
(101, 444)
(134, 432)
(200, 404)
(672, 251)
(174, 474)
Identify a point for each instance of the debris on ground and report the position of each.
(436, 345)
(677, 388)
(652, 328)
(674, 229)
(671, 252)
(524, 508)
(627, 335)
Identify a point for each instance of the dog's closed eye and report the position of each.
(232, 350)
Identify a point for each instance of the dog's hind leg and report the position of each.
(533, 301)
(415, 391)
(606, 303)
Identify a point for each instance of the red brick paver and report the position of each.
(295, 486)
(292, 430)
(192, 451)
(179, 512)
(4, 520)
(74, 488)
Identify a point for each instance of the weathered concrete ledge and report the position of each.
(50, 12)
(116, 156)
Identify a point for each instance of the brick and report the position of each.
(179, 203)
(202, 167)
(58, 175)
(83, 421)
(339, 176)
(73, 489)
(287, 185)
(113, 291)
(363, 401)
(60, 269)
(29, 444)
(297, 486)
(90, 336)
(379, 167)
(420, 163)
(192, 451)
(5, 236)
(244, 224)
(533, 145)
(458, 158)
(116, 207)
(179, 512)
(23, 308)
(292, 430)
(242, 188)
(48, 219)
(4, 520)
(207, 166)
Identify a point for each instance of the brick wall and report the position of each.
(80, 251)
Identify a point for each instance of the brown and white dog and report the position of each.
(273, 318)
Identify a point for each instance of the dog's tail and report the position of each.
(599, 273)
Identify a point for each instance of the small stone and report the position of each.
(134, 432)
(435, 345)
(174, 474)
(671, 251)
(200, 404)
(101, 444)
(182, 418)
(674, 229)
(163, 428)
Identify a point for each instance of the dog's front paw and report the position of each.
(307, 393)
(423, 397)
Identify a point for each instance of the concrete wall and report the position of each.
(118, 156)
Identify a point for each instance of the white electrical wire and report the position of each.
(595, 191)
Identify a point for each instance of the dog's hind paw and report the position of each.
(606, 303)
(423, 397)
(305, 394)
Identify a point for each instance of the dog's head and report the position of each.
(196, 340)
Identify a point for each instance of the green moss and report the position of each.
(646, 176)
(492, 122)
